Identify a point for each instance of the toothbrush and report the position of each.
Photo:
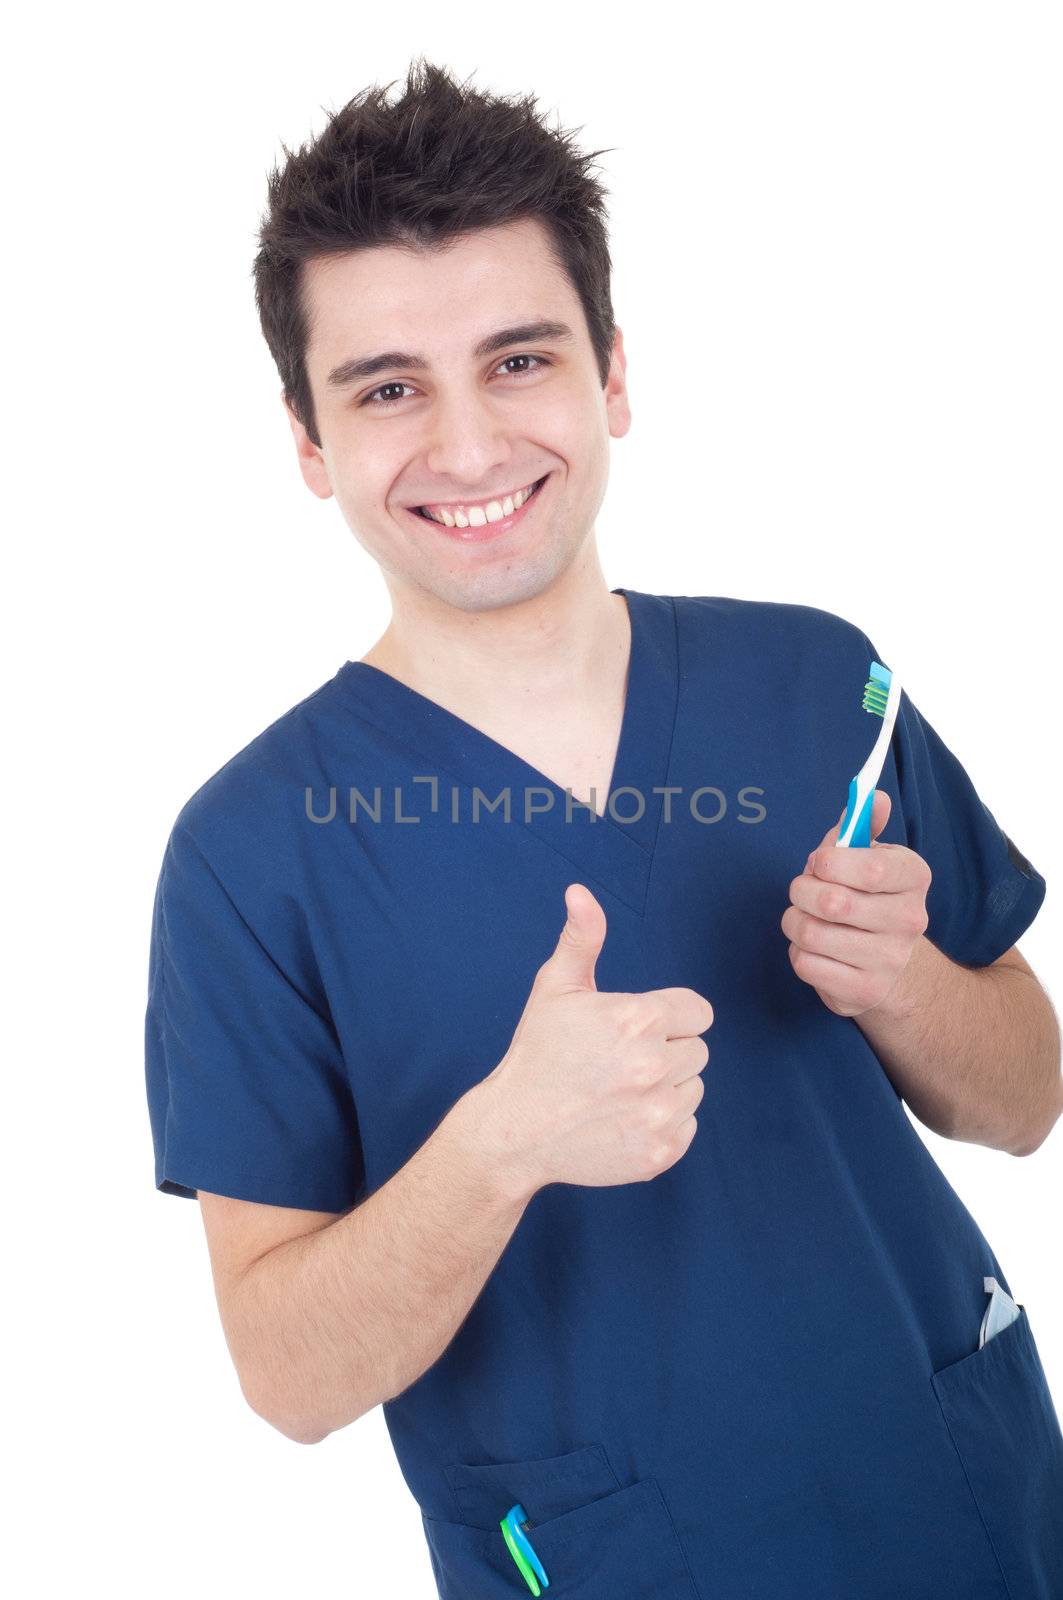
(882, 696)
(514, 1527)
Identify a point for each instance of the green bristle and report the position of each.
(876, 690)
(875, 699)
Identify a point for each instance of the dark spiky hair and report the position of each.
(440, 161)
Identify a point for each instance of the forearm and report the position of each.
(974, 1051)
(329, 1325)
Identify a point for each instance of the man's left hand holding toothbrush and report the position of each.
(973, 1050)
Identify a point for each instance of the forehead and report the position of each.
(438, 300)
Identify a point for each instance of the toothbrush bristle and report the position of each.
(876, 689)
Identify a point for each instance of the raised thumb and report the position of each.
(572, 964)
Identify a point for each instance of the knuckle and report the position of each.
(635, 1015)
(657, 1117)
(837, 902)
(642, 1073)
(661, 1156)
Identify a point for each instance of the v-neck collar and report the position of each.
(616, 853)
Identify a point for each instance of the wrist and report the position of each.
(488, 1146)
(916, 986)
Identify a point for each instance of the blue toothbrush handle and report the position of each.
(862, 830)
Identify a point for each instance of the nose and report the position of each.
(467, 442)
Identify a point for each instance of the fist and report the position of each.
(855, 917)
(599, 1088)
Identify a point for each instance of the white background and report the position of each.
(837, 246)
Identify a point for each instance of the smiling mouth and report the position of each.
(421, 512)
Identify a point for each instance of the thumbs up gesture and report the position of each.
(597, 1088)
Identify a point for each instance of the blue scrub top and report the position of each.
(756, 1375)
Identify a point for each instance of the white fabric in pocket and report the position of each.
(1000, 1311)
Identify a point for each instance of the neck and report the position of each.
(556, 646)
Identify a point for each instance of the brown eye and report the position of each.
(381, 399)
(525, 357)
(370, 400)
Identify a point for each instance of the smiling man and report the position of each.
(472, 468)
(434, 957)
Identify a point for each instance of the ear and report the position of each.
(311, 461)
(617, 407)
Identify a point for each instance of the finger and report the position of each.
(856, 986)
(855, 908)
(832, 834)
(836, 941)
(881, 805)
(686, 1099)
(685, 1058)
(570, 964)
(685, 1013)
(880, 869)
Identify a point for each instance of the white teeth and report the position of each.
(477, 516)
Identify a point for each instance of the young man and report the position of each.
(434, 958)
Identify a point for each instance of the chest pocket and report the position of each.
(596, 1539)
(999, 1412)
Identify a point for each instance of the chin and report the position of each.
(508, 583)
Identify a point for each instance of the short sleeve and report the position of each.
(984, 892)
(247, 1089)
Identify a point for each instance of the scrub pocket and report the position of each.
(999, 1412)
(595, 1539)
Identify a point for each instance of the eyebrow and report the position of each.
(368, 366)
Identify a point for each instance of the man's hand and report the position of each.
(855, 916)
(597, 1088)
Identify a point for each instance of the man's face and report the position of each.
(466, 428)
